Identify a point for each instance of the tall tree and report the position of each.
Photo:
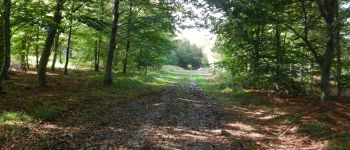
(2, 42)
(7, 39)
(69, 42)
(37, 47)
(328, 10)
(128, 32)
(112, 45)
(48, 44)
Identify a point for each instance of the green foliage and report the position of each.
(275, 44)
(187, 56)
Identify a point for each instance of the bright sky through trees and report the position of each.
(202, 37)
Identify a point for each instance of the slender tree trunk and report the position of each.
(125, 65)
(128, 39)
(99, 52)
(140, 60)
(96, 55)
(23, 55)
(56, 47)
(256, 51)
(7, 35)
(37, 47)
(60, 57)
(112, 45)
(27, 53)
(48, 45)
(68, 53)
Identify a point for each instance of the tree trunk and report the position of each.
(68, 52)
(56, 47)
(2, 47)
(140, 60)
(98, 53)
(338, 51)
(125, 65)
(96, 56)
(23, 55)
(128, 39)
(7, 39)
(112, 45)
(27, 53)
(37, 48)
(327, 9)
(279, 57)
(48, 45)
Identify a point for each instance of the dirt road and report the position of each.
(181, 116)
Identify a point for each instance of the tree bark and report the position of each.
(112, 45)
(95, 55)
(327, 9)
(140, 60)
(125, 63)
(128, 39)
(56, 47)
(48, 45)
(2, 47)
(279, 56)
(23, 54)
(98, 53)
(68, 52)
(27, 53)
(338, 51)
(37, 47)
(7, 39)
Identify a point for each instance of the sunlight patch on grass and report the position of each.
(14, 121)
(14, 116)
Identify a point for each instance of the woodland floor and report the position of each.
(168, 109)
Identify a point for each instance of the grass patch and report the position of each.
(46, 110)
(314, 127)
(12, 121)
(14, 116)
(339, 142)
(228, 93)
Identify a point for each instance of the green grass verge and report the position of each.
(226, 92)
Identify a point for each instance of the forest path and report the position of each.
(180, 116)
